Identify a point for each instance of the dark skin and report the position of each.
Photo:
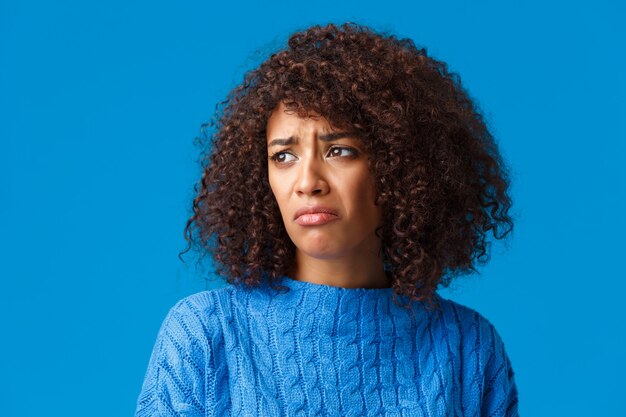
(312, 165)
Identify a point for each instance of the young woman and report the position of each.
(345, 180)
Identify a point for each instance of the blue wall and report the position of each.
(99, 105)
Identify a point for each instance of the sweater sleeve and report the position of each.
(500, 398)
(174, 383)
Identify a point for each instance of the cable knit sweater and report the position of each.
(319, 350)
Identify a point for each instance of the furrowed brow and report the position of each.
(282, 142)
(328, 137)
(325, 137)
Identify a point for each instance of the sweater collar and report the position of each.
(296, 285)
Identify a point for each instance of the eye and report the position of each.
(281, 157)
(342, 151)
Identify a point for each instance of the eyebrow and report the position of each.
(325, 137)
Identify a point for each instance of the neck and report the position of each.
(353, 270)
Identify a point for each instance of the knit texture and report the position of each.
(319, 350)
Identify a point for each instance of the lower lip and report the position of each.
(315, 219)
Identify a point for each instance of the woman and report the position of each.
(346, 178)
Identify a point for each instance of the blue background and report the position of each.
(100, 103)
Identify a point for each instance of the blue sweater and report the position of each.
(319, 350)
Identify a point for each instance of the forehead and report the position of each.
(283, 121)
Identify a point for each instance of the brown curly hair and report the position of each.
(440, 179)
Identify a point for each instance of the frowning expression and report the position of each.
(323, 173)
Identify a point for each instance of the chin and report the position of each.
(319, 243)
(319, 251)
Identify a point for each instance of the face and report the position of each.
(324, 174)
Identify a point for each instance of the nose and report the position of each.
(311, 178)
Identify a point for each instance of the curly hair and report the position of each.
(440, 179)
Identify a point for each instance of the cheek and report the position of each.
(366, 189)
(369, 199)
(362, 193)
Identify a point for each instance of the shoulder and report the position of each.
(467, 322)
(201, 301)
(198, 313)
(192, 323)
(213, 314)
(473, 335)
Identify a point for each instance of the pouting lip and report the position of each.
(314, 209)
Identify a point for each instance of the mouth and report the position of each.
(315, 219)
(315, 216)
